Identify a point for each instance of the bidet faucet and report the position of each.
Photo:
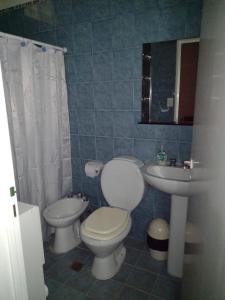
(82, 196)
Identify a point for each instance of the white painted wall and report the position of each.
(204, 278)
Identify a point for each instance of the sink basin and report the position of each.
(171, 180)
(175, 181)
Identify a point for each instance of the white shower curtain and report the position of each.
(36, 96)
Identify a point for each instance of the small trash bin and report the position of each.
(158, 239)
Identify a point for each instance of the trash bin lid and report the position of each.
(159, 229)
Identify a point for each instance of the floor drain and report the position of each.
(76, 266)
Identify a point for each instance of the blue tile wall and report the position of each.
(103, 70)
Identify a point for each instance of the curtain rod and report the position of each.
(15, 37)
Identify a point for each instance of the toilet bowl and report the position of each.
(105, 229)
(64, 216)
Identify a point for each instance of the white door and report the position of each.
(204, 271)
(12, 271)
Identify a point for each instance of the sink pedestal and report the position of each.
(178, 217)
(176, 182)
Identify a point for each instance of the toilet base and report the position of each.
(66, 238)
(106, 267)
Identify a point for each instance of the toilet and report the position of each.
(105, 229)
(64, 216)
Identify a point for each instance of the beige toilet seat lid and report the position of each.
(106, 221)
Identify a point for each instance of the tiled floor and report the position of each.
(140, 277)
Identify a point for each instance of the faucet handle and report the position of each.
(190, 164)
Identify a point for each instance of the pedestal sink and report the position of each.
(175, 181)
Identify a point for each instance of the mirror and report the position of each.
(169, 81)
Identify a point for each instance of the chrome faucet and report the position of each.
(190, 164)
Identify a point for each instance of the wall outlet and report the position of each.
(170, 102)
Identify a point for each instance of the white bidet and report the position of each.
(64, 216)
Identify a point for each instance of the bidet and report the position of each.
(64, 215)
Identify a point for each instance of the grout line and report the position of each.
(120, 289)
(137, 289)
(143, 269)
(139, 255)
(133, 138)
(90, 287)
